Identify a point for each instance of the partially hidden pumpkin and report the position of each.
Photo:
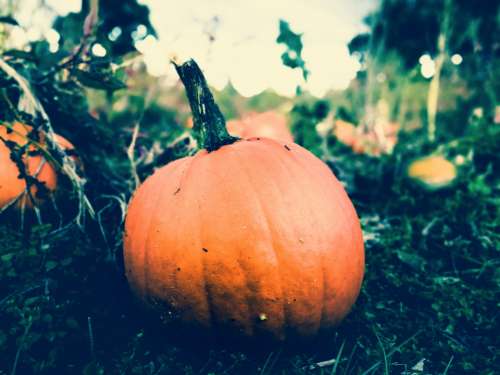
(381, 140)
(255, 237)
(268, 124)
(12, 186)
(432, 172)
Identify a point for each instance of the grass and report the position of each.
(429, 302)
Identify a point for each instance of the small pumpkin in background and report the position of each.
(432, 172)
(268, 124)
(345, 132)
(254, 237)
(381, 140)
(12, 186)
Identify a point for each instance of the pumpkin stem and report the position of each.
(209, 124)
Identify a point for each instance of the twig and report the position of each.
(131, 148)
(322, 364)
(75, 57)
(330, 362)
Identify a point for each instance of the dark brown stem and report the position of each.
(209, 124)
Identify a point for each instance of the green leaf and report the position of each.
(9, 20)
(50, 265)
(291, 39)
(413, 260)
(292, 57)
(98, 80)
(7, 257)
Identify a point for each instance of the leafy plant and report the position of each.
(292, 57)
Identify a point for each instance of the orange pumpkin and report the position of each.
(268, 124)
(345, 132)
(11, 185)
(432, 172)
(252, 236)
(368, 143)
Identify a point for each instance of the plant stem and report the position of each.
(433, 95)
(209, 124)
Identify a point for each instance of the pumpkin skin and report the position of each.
(257, 238)
(11, 186)
(268, 124)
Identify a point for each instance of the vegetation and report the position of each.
(430, 298)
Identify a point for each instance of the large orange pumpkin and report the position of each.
(11, 185)
(268, 124)
(250, 236)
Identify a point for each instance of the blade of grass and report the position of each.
(337, 359)
(351, 356)
(274, 361)
(381, 344)
(268, 359)
(448, 366)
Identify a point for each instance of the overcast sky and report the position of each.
(244, 49)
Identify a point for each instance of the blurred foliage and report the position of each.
(292, 57)
(306, 113)
(405, 30)
(84, 99)
(393, 28)
(121, 24)
(230, 101)
(233, 105)
(266, 100)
